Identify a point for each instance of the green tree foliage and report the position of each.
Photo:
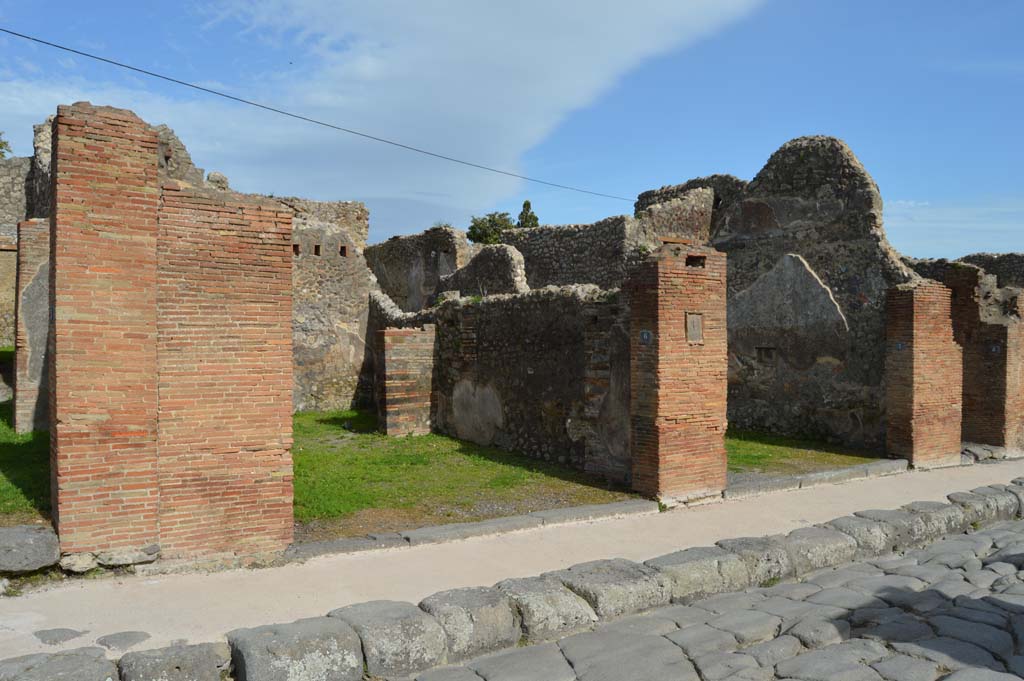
(485, 230)
(5, 148)
(527, 218)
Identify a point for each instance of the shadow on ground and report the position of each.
(24, 472)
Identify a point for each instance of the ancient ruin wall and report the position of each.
(333, 353)
(409, 268)
(726, 190)
(31, 386)
(14, 176)
(493, 269)
(524, 373)
(813, 199)
(1007, 267)
(170, 352)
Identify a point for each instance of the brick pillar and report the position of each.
(678, 365)
(407, 378)
(103, 361)
(923, 376)
(32, 314)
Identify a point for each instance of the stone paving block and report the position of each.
(28, 548)
(547, 608)
(950, 653)
(1012, 554)
(918, 601)
(307, 550)
(476, 620)
(525, 664)
(995, 641)
(723, 603)
(450, 674)
(609, 656)
(842, 597)
(829, 578)
(717, 666)
(282, 652)
(683, 615)
(795, 590)
(978, 510)
(770, 653)
(617, 587)
(202, 662)
(455, 531)
(81, 664)
(596, 511)
(748, 626)
(841, 662)
(980, 675)
(873, 537)
(756, 488)
(645, 625)
(880, 585)
(1007, 504)
(940, 519)
(929, 574)
(398, 638)
(122, 640)
(766, 558)
(903, 628)
(911, 529)
(993, 619)
(812, 548)
(787, 608)
(903, 668)
(701, 639)
(702, 571)
(816, 633)
(54, 637)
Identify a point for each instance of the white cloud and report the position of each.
(926, 229)
(484, 81)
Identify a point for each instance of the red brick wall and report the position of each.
(678, 381)
(406, 377)
(103, 335)
(32, 312)
(923, 376)
(224, 305)
(171, 352)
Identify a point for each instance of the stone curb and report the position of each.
(875, 469)
(400, 639)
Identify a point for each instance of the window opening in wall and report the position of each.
(343, 251)
(766, 355)
(696, 260)
(316, 249)
(296, 249)
(694, 327)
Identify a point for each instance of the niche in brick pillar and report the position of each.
(678, 366)
(923, 376)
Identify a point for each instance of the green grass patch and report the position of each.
(6, 354)
(764, 453)
(24, 472)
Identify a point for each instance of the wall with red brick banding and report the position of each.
(406, 380)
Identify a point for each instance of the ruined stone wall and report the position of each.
(525, 373)
(31, 387)
(923, 373)
(14, 176)
(678, 373)
(409, 268)
(493, 269)
(170, 352)
(333, 352)
(8, 278)
(814, 365)
(726, 189)
(1007, 267)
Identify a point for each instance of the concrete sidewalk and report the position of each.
(202, 607)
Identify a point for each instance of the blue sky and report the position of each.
(611, 96)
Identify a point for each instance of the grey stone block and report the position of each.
(979, 510)
(887, 467)
(842, 597)
(476, 620)
(980, 675)
(122, 640)
(203, 662)
(756, 488)
(649, 624)
(995, 641)
(950, 653)
(702, 571)
(398, 638)
(611, 656)
(525, 664)
(306, 650)
(873, 537)
(770, 653)
(596, 511)
(54, 637)
(903, 668)
(125, 557)
(27, 548)
(450, 674)
(901, 628)
(717, 666)
(911, 529)
(307, 550)
(81, 664)
(731, 602)
(455, 531)
(748, 626)
(701, 639)
(841, 662)
(766, 558)
(816, 633)
(78, 563)
(940, 519)
(546, 608)
(617, 587)
(812, 548)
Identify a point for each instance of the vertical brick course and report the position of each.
(407, 380)
(32, 312)
(923, 376)
(678, 394)
(170, 356)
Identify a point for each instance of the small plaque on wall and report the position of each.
(646, 337)
(694, 327)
